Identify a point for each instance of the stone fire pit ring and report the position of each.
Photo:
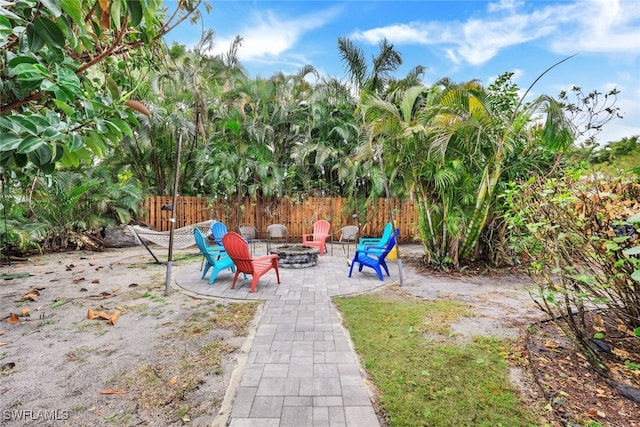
(296, 256)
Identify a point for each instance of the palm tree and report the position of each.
(365, 78)
(449, 144)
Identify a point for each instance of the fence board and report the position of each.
(297, 215)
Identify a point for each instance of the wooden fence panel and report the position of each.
(297, 215)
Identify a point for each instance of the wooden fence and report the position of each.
(297, 215)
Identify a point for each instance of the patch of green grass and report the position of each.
(424, 376)
(155, 298)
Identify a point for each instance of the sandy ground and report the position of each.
(145, 365)
(152, 359)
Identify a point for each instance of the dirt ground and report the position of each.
(150, 359)
(144, 359)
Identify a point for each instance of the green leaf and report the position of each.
(65, 108)
(49, 32)
(612, 246)
(636, 332)
(9, 14)
(116, 6)
(634, 219)
(41, 156)
(636, 275)
(7, 124)
(123, 126)
(52, 6)
(135, 12)
(75, 142)
(25, 124)
(28, 58)
(73, 8)
(36, 43)
(113, 87)
(29, 144)
(9, 141)
(584, 278)
(632, 251)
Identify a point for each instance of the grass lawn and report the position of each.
(425, 376)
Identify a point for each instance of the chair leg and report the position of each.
(254, 283)
(235, 278)
(275, 267)
(352, 263)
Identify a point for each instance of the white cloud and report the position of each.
(582, 26)
(600, 26)
(413, 32)
(267, 37)
(504, 5)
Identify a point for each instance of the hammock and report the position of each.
(182, 237)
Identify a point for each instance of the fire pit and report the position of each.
(296, 256)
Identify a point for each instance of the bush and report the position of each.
(579, 242)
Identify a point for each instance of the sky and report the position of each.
(459, 39)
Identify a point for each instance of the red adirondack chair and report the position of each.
(319, 237)
(238, 250)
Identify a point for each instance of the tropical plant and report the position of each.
(68, 69)
(579, 241)
(450, 144)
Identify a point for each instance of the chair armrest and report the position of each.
(365, 240)
(265, 257)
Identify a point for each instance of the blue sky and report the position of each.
(462, 40)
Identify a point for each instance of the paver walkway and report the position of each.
(301, 369)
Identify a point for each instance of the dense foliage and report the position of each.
(91, 82)
(578, 239)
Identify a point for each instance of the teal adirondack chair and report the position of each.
(218, 230)
(373, 257)
(215, 256)
(377, 242)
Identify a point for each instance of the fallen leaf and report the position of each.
(114, 318)
(133, 285)
(25, 311)
(104, 315)
(91, 314)
(83, 289)
(79, 279)
(113, 391)
(173, 380)
(551, 344)
(13, 318)
(32, 294)
(2, 343)
(95, 281)
(2, 332)
(7, 367)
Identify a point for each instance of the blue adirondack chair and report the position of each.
(215, 256)
(377, 242)
(218, 230)
(373, 257)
